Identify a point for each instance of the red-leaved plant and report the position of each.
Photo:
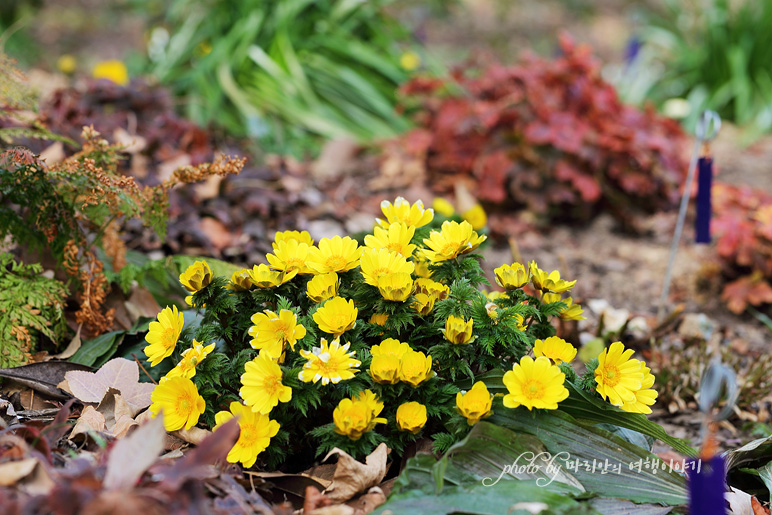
(743, 228)
(548, 135)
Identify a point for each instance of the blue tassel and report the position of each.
(706, 486)
(704, 184)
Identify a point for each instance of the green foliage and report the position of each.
(281, 70)
(714, 54)
(30, 307)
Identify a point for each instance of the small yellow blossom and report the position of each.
(395, 287)
(241, 280)
(548, 282)
(618, 375)
(290, 256)
(476, 216)
(422, 266)
(443, 207)
(196, 276)
(384, 367)
(378, 263)
(572, 311)
(512, 276)
(336, 316)
(402, 211)
(432, 288)
(644, 397)
(556, 349)
(163, 335)
(334, 254)
(415, 368)
(190, 358)
(535, 384)
(263, 277)
(423, 304)
(452, 241)
(299, 236)
(411, 416)
(273, 332)
(378, 318)
(475, 404)
(255, 436)
(355, 417)
(330, 363)
(322, 287)
(457, 330)
(262, 387)
(180, 402)
(410, 61)
(395, 238)
(112, 70)
(67, 64)
(374, 405)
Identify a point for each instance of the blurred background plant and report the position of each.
(286, 72)
(705, 54)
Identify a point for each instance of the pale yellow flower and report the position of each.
(458, 330)
(163, 335)
(196, 276)
(452, 241)
(402, 211)
(290, 256)
(475, 404)
(336, 316)
(323, 286)
(395, 238)
(334, 254)
(179, 401)
(329, 363)
(535, 384)
(618, 375)
(411, 416)
(395, 287)
(255, 435)
(190, 359)
(378, 263)
(556, 349)
(262, 387)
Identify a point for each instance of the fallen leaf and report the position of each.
(43, 376)
(119, 373)
(338, 509)
(133, 455)
(194, 435)
(53, 154)
(90, 420)
(352, 477)
(219, 235)
(368, 502)
(28, 475)
(141, 303)
(739, 502)
(72, 347)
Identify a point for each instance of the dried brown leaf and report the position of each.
(133, 455)
(90, 420)
(29, 475)
(352, 477)
(119, 373)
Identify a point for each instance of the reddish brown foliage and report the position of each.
(743, 228)
(551, 136)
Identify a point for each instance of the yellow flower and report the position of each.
(410, 61)
(415, 368)
(573, 311)
(618, 376)
(475, 404)
(255, 436)
(378, 263)
(422, 266)
(190, 358)
(423, 304)
(396, 238)
(644, 397)
(323, 287)
(402, 211)
(556, 349)
(395, 287)
(535, 384)
(548, 282)
(197, 276)
(334, 254)
(290, 256)
(273, 332)
(443, 207)
(452, 241)
(262, 388)
(432, 288)
(329, 363)
(378, 318)
(263, 277)
(520, 322)
(512, 276)
(336, 316)
(66, 64)
(411, 416)
(299, 236)
(384, 367)
(476, 216)
(355, 417)
(241, 280)
(163, 335)
(112, 70)
(457, 330)
(178, 399)
(374, 405)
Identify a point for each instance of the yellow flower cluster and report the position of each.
(394, 361)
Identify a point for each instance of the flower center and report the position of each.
(611, 375)
(395, 247)
(450, 249)
(248, 435)
(184, 405)
(533, 389)
(169, 337)
(336, 262)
